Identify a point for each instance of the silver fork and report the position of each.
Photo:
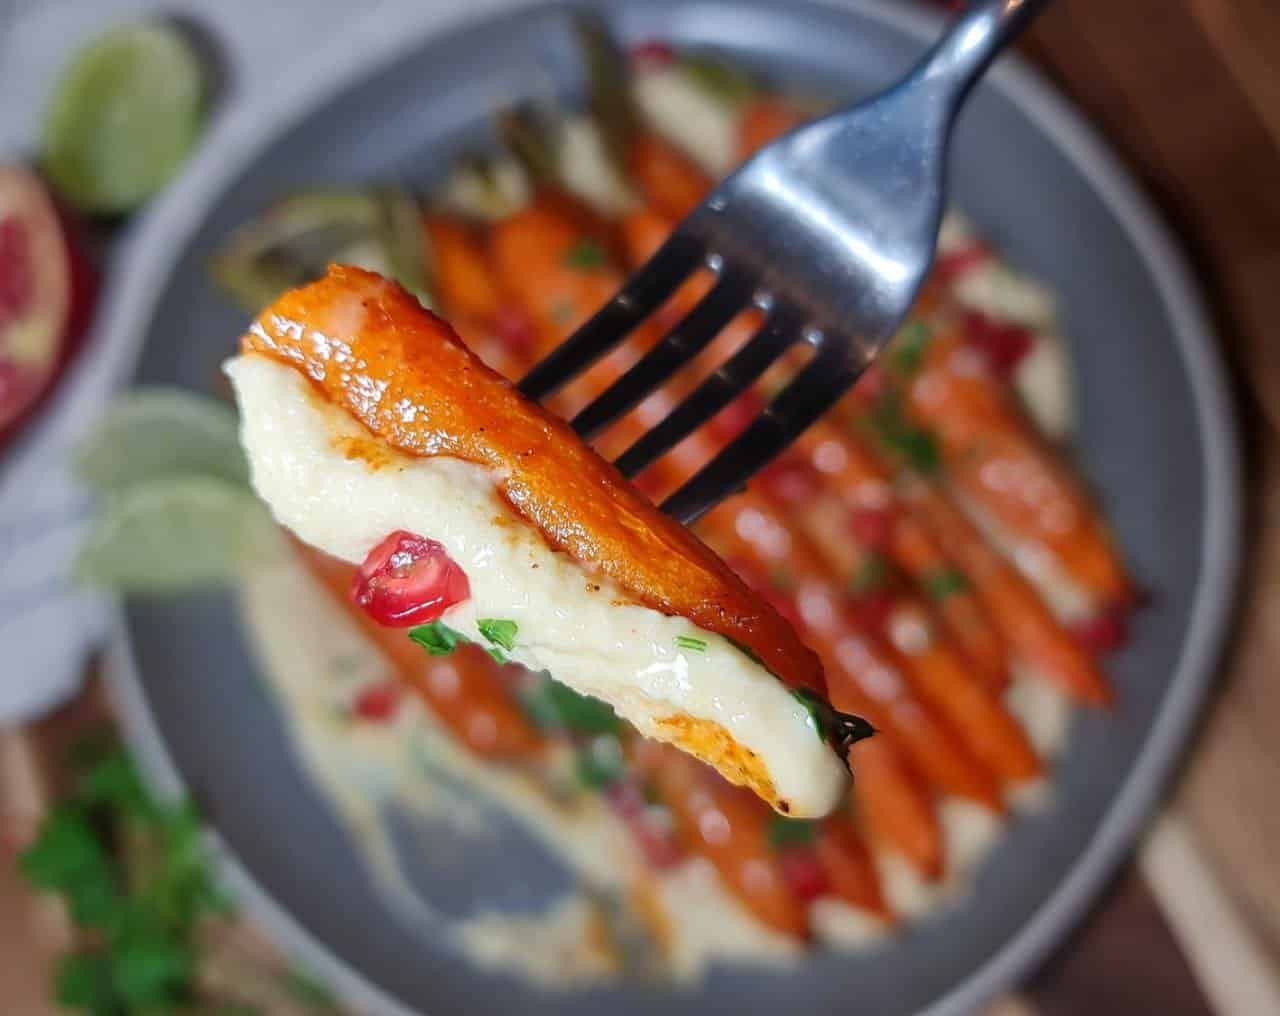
(830, 231)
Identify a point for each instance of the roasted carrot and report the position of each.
(730, 829)
(668, 179)
(1031, 630)
(765, 119)
(879, 519)
(994, 455)
(895, 806)
(466, 691)
(462, 275)
(848, 866)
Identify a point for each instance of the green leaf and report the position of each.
(499, 632)
(600, 762)
(83, 981)
(946, 582)
(906, 352)
(437, 638)
(555, 706)
(113, 782)
(585, 255)
(151, 969)
(790, 832)
(66, 853)
(913, 446)
(690, 643)
(871, 575)
(719, 79)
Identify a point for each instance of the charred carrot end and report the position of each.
(896, 806)
(466, 691)
(765, 120)
(669, 180)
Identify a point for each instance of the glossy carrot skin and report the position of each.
(730, 829)
(864, 675)
(668, 179)
(867, 488)
(466, 691)
(766, 119)
(849, 867)
(1025, 620)
(995, 456)
(895, 806)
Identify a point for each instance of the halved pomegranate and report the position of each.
(408, 580)
(46, 294)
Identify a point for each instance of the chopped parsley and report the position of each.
(600, 761)
(790, 832)
(913, 446)
(906, 352)
(840, 730)
(946, 582)
(437, 638)
(555, 706)
(870, 576)
(499, 632)
(691, 643)
(585, 255)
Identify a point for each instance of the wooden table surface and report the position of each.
(1188, 91)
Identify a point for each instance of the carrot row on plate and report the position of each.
(860, 538)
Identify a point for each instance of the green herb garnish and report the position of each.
(915, 447)
(840, 730)
(906, 352)
(946, 582)
(871, 575)
(600, 761)
(790, 832)
(555, 706)
(133, 872)
(723, 81)
(499, 632)
(691, 643)
(585, 255)
(437, 638)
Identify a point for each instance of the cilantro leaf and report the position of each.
(499, 632)
(790, 832)
(946, 582)
(83, 981)
(585, 255)
(437, 638)
(556, 706)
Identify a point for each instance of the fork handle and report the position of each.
(975, 39)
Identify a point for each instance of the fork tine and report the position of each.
(780, 331)
(731, 292)
(811, 393)
(643, 293)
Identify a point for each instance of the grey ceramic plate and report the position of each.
(1156, 438)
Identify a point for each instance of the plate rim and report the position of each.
(373, 43)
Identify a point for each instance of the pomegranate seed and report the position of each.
(872, 527)
(790, 481)
(1003, 344)
(871, 611)
(960, 262)
(408, 580)
(16, 278)
(377, 702)
(737, 416)
(1103, 633)
(803, 873)
(514, 330)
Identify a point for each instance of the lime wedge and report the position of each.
(150, 433)
(177, 532)
(124, 115)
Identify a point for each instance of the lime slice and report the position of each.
(150, 433)
(177, 532)
(124, 115)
